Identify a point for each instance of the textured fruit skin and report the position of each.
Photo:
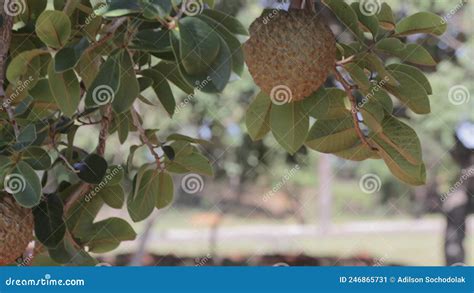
(294, 49)
(16, 229)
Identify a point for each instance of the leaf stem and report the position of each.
(144, 138)
(354, 111)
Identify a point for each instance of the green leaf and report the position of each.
(373, 114)
(398, 165)
(231, 23)
(367, 21)
(332, 136)
(106, 84)
(152, 40)
(195, 163)
(118, 8)
(234, 44)
(172, 73)
(67, 253)
(81, 216)
(181, 137)
(53, 28)
(412, 53)
(402, 138)
(346, 15)
(129, 88)
(68, 57)
(153, 9)
(358, 76)
(421, 22)
(410, 92)
(23, 183)
(113, 196)
(145, 188)
(358, 152)
(164, 197)
(199, 45)
(114, 175)
(386, 18)
(289, 124)
(24, 66)
(162, 90)
(65, 89)
(337, 108)
(37, 158)
(218, 73)
(415, 73)
(107, 235)
(258, 116)
(27, 135)
(49, 224)
(318, 104)
(92, 169)
(374, 63)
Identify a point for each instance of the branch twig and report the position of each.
(348, 89)
(144, 138)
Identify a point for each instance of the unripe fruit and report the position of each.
(16, 229)
(291, 50)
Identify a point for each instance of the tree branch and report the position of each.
(5, 39)
(144, 138)
(354, 110)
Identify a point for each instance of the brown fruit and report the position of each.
(290, 51)
(16, 229)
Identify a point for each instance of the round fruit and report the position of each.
(292, 51)
(16, 229)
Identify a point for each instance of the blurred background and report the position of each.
(264, 207)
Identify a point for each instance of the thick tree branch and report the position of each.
(5, 40)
